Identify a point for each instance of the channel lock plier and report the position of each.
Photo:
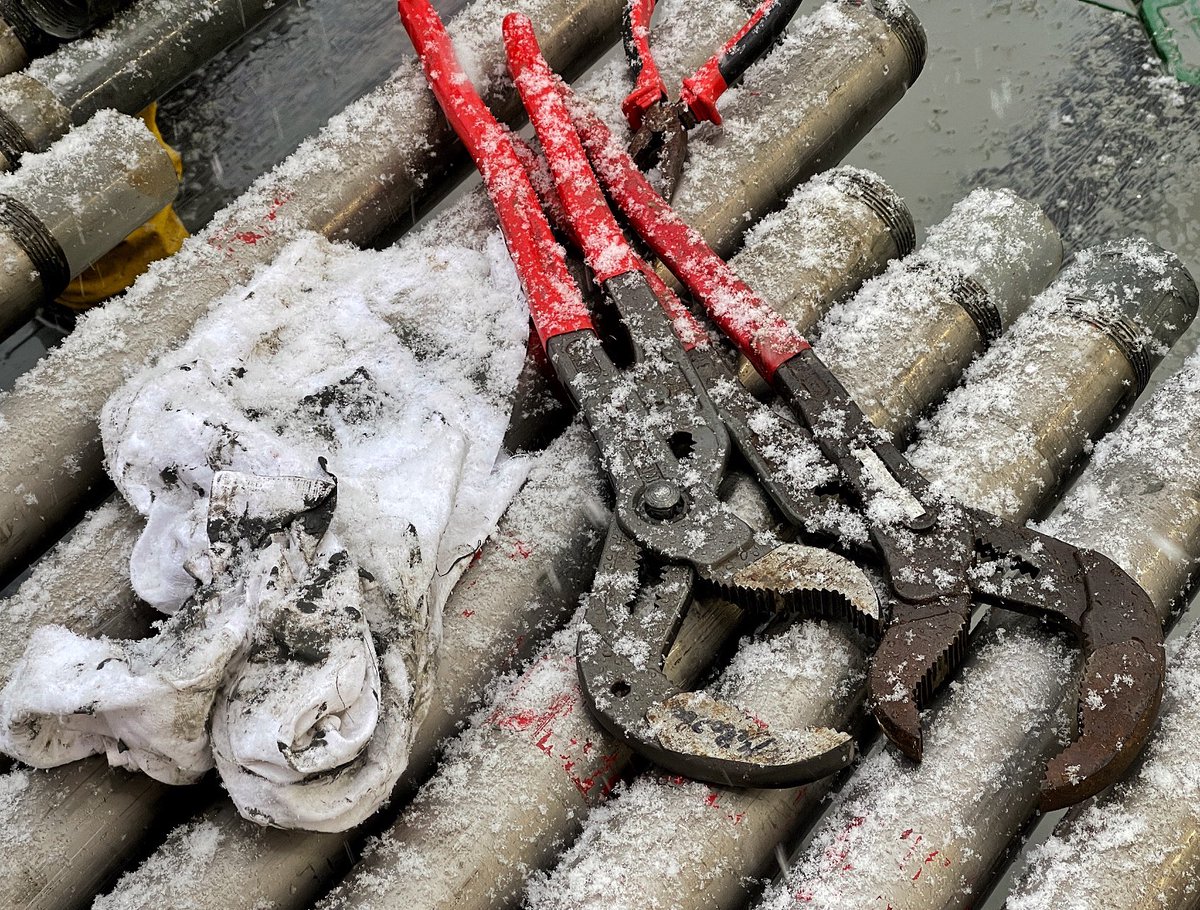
(664, 428)
(661, 125)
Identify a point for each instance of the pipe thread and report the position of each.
(883, 201)
(1124, 332)
(973, 297)
(23, 26)
(907, 29)
(968, 294)
(13, 142)
(34, 238)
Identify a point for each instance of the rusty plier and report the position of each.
(665, 427)
(661, 125)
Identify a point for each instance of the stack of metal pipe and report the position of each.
(515, 789)
(860, 105)
(141, 54)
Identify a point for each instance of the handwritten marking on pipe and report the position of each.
(227, 241)
(541, 715)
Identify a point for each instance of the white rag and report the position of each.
(316, 464)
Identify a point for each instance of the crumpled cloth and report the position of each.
(316, 464)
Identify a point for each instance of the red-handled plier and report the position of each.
(661, 125)
(663, 427)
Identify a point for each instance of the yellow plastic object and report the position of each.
(117, 269)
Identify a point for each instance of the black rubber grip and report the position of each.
(31, 235)
(756, 42)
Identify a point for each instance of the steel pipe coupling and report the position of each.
(853, 61)
(938, 309)
(67, 207)
(1082, 351)
(70, 18)
(20, 39)
(838, 230)
(138, 56)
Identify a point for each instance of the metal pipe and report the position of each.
(360, 176)
(857, 59)
(716, 842)
(933, 834)
(83, 583)
(1137, 845)
(144, 52)
(1088, 346)
(790, 266)
(70, 18)
(67, 207)
(816, 210)
(975, 274)
(20, 38)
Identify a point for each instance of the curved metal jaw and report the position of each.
(629, 631)
(913, 659)
(1080, 591)
(662, 142)
(1121, 685)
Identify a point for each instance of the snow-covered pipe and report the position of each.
(932, 835)
(70, 18)
(358, 177)
(911, 332)
(823, 87)
(790, 264)
(1136, 847)
(720, 18)
(1085, 347)
(67, 207)
(237, 851)
(140, 55)
(717, 842)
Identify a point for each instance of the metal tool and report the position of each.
(653, 420)
(661, 125)
(720, 842)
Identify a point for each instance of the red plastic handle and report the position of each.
(702, 89)
(591, 222)
(554, 300)
(649, 88)
(759, 332)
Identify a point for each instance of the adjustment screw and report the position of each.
(663, 499)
